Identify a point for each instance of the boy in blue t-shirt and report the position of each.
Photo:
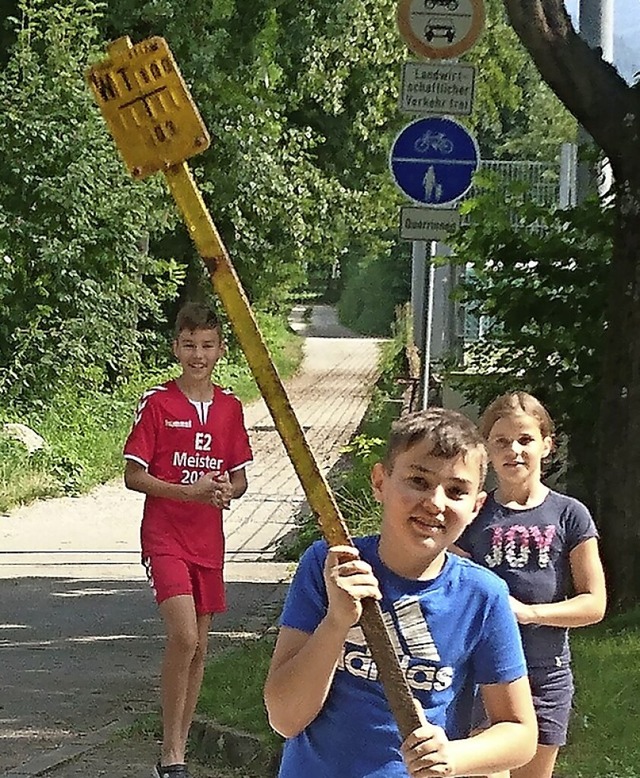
(450, 621)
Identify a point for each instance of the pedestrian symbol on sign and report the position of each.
(432, 189)
(433, 160)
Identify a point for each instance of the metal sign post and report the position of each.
(157, 127)
(433, 160)
(428, 329)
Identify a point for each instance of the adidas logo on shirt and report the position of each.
(420, 661)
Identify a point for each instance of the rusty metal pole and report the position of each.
(157, 127)
(320, 498)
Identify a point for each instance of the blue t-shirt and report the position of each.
(449, 633)
(530, 550)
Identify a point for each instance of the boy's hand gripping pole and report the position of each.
(157, 127)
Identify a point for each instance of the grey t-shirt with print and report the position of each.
(530, 550)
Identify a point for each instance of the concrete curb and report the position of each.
(210, 742)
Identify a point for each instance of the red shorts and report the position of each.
(170, 576)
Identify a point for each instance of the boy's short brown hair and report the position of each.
(196, 316)
(450, 432)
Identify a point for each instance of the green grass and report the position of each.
(86, 429)
(232, 689)
(23, 478)
(603, 737)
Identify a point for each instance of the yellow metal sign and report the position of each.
(147, 106)
(140, 91)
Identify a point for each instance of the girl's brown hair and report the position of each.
(512, 403)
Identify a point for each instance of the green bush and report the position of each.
(373, 288)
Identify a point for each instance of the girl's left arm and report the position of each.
(589, 602)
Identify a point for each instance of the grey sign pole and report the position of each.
(596, 28)
(428, 327)
(418, 290)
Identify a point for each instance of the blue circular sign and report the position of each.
(433, 160)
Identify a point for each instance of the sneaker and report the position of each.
(170, 771)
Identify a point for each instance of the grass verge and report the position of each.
(603, 736)
(232, 689)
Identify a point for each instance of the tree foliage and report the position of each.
(609, 109)
(297, 97)
(300, 99)
(70, 225)
(537, 276)
(516, 115)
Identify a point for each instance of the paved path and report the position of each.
(80, 640)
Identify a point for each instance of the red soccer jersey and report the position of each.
(178, 441)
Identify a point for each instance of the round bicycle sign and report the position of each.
(433, 160)
(440, 29)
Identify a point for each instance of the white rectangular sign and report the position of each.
(437, 88)
(427, 223)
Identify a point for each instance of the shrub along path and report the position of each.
(80, 643)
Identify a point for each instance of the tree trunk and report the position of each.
(618, 500)
(609, 109)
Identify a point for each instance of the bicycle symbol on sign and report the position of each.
(437, 141)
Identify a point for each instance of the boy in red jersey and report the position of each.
(187, 452)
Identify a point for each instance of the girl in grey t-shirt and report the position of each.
(545, 546)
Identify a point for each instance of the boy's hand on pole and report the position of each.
(427, 752)
(349, 580)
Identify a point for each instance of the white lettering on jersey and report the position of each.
(202, 441)
(201, 461)
(180, 424)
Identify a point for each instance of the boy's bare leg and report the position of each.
(196, 671)
(181, 627)
(541, 766)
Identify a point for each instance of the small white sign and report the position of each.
(427, 223)
(444, 88)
